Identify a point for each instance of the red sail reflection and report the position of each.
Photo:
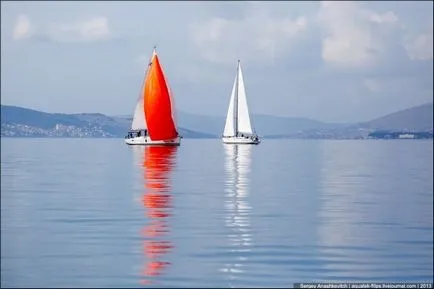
(158, 163)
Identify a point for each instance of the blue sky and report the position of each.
(331, 61)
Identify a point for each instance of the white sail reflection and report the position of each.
(237, 166)
(137, 153)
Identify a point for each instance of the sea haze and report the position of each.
(98, 213)
(23, 122)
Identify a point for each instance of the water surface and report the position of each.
(97, 213)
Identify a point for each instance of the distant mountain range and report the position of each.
(23, 122)
(419, 118)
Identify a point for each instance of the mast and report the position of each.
(236, 100)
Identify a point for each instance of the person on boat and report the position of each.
(146, 132)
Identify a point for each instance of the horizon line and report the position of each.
(223, 116)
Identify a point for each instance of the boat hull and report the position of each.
(146, 140)
(240, 140)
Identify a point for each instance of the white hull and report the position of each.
(146, 140)
(240, 140)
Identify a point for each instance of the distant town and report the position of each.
(412, 123)
(401, 135)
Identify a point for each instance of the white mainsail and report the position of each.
(238, 117)
(139, 120)
(230, 117)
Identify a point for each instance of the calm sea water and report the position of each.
(97, 213)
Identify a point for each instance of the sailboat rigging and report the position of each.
(238, 127)
(154, 121)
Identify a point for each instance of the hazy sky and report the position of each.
(331, 61)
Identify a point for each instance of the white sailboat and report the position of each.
(238, 128)
(154, 121)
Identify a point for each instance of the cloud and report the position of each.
(353, 36)
(388, 17)
(90, 30)
(421, 48)
(372, 85)
(22, 27)
(281, 44)
(257, 36)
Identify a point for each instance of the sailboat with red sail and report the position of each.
(154, 120)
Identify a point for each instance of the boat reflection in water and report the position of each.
(158, 163)
(237, 165)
